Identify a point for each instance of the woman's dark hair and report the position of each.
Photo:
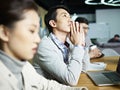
(51, 15)
(11, 10)
(82, 20)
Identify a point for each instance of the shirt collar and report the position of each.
(60, 44)
(15, 66)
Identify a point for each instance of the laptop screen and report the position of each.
(118, 66)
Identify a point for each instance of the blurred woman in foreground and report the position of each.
(19, 27)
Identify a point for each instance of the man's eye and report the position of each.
(32, 31)
(65, 15)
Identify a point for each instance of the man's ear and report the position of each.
(3, 33)
(52, 23)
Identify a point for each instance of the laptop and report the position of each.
(106, 78)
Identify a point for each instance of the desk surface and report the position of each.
(111, 65)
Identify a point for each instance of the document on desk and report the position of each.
(96, 66)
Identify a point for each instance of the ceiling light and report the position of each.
(104, 2)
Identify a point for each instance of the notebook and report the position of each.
(105, 78)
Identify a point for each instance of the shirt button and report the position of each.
(9, 75)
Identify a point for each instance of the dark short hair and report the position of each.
(116, 35)
(51, 15)
(11, 10)
(82, 20)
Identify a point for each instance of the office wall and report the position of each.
(99, 31)
(42, 13)
(111, 17)
(89, 17)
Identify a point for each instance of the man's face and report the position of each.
(85, 27)
(116, 38)
(63, 21)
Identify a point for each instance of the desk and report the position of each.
(111, 65)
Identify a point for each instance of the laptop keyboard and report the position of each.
(113, 76)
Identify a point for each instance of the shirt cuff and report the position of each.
(79, 46)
